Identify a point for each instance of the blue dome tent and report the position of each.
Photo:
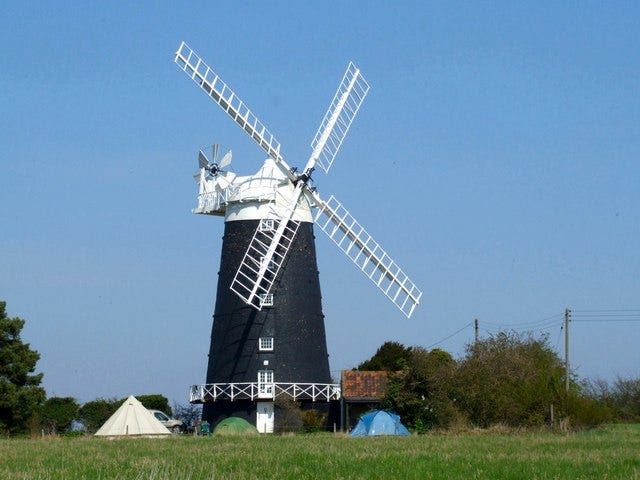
(379, 422)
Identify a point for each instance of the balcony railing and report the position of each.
(214, 392)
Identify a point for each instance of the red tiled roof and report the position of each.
(363, 385)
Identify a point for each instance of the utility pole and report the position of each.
(567, 317)
(477, 330)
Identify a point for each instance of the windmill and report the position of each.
(268, 336)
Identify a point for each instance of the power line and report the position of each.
(598, 315)
(608, 320)
(610, 310)
(542, 326)
(534, 327)
(534, 324)
(607, 315)
(449, 336)
(559, 334)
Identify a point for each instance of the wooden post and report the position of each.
(477, 330)
(342, 407)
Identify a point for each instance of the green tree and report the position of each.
(93, 414)
(512, 379)
(627, 398)
(58, 413)
(154, 402)
(391, 357)
(622, 398)
(20, 391)
(420, 392)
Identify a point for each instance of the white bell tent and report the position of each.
(132, 419)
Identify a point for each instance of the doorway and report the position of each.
(264, 417)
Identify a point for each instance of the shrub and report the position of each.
(510, 379)
(288, 416)
(587, 412)
(626, 398)
(622, 398)
(58, 413)
(313, 420)
(93, 414)
(420, 392)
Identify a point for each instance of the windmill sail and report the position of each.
(220, 93)
(259, 268)
(336, 122)
(350, 237)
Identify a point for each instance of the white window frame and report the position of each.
(266, 225)
(266, 299)
(266, 387)
(265, 344)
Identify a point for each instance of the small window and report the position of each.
(266, 225)
(265, 344)
(266, 300)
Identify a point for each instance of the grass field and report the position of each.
(611, 452)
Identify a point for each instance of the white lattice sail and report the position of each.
(261, 263)
(220, 93)
(351, 237)
(343, 108)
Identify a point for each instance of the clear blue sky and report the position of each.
(496, 158)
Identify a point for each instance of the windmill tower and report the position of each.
(268, 337)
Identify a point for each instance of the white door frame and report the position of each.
(264, 417)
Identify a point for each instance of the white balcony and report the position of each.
(215, 392)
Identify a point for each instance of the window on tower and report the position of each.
(265, 376)
(266, 299)
(265, 384)
(266, 225)
(265, 344)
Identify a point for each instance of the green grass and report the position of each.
(611, 452)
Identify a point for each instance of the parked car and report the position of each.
(172, 424)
